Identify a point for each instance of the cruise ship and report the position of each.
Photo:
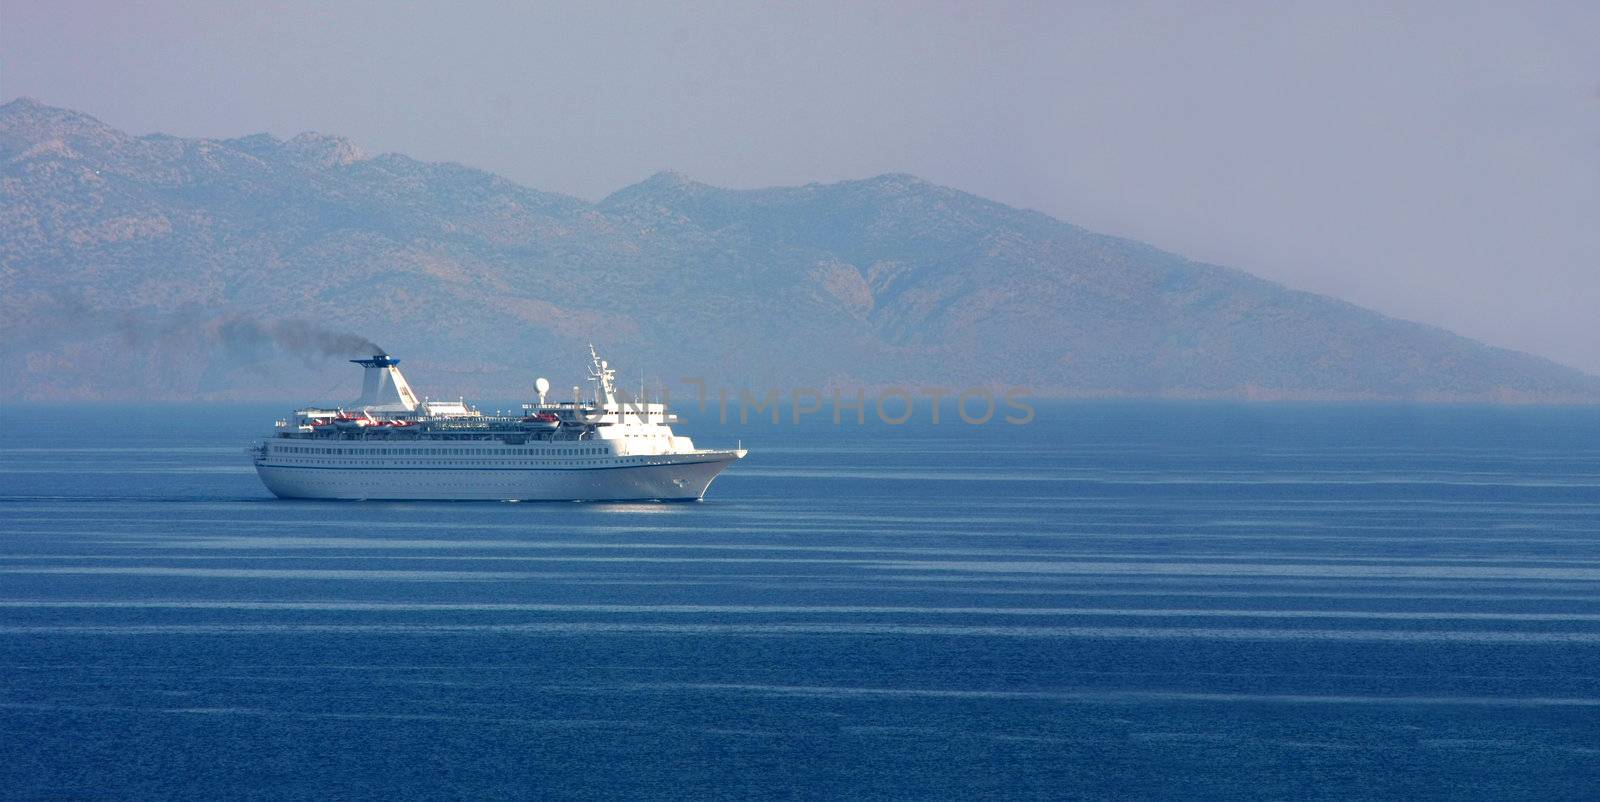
(389, 445)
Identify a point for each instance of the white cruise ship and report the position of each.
(389, 445)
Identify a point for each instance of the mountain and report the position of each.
(156, 267)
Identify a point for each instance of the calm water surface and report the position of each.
(1117, 601)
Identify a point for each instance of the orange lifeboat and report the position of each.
(542, 422)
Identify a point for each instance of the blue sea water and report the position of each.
(1116, 601)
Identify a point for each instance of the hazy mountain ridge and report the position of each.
(116, 248)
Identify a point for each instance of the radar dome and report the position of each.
(541, 385)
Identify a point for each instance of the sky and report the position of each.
(1438, 162)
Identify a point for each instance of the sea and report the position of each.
(1113, 601)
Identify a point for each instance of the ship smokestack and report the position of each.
(383, 387)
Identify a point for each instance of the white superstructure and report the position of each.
(390, 445)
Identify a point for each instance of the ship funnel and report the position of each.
(383, 388)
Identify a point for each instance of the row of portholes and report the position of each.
(440, 452)
(352, 463)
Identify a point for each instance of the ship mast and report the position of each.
(601, 374)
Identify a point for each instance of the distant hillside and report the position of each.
(156, 267)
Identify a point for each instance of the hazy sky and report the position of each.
(1439, 162)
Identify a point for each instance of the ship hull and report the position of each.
(684, 479)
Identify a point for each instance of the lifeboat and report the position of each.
(351, 423)
(542, 422)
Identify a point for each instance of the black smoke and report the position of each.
(241, 333)
(294, 336)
